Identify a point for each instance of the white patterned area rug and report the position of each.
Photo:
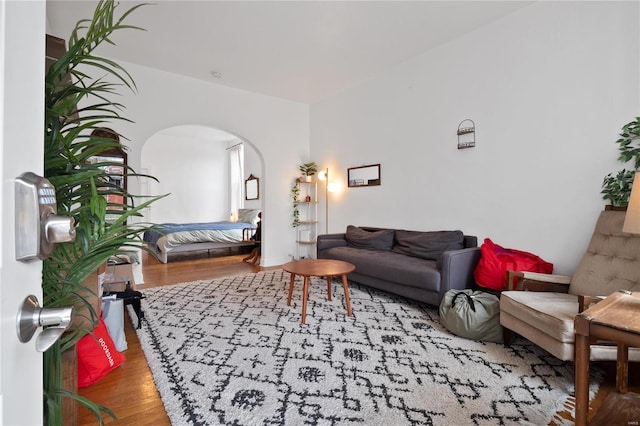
(231, 352)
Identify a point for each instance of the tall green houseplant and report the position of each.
(81, 186)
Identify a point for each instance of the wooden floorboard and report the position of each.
(129, 391)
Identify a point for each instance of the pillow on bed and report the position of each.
(248, 216)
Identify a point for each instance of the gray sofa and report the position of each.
(419, 265)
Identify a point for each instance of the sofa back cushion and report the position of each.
(427, 245)
(371, 240)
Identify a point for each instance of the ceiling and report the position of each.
(303, 51)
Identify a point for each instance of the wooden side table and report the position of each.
(616, 319)
(318, 268)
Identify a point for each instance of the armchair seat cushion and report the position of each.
(546, 319)
(550, 313)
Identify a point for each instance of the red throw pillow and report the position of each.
(97, 355)
(495, 260)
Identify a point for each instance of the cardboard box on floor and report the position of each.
(93, 284)
(117, 276)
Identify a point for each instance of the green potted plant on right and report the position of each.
(616, 188)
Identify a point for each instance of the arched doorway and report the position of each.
(191, 163)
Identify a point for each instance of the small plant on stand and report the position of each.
(308, 170)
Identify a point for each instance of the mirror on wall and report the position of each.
(252, 188)
(368, 175)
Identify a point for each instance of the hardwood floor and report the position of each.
(129, 390)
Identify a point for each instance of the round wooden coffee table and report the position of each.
(318, 268)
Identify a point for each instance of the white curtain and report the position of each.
(236, 161)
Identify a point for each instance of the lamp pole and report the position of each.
(326, 201)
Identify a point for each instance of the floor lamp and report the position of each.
(324, 176)
(632, 218)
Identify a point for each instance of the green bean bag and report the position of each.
(472, 314)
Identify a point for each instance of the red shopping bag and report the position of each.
(97, 355)
(495, 260)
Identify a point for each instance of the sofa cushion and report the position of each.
(370, 240)
(427, 245)
(389, 266)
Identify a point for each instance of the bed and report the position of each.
(166, 238)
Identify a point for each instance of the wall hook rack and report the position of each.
(466, 134)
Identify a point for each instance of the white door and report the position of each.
(22, 52)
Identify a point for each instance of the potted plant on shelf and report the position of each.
(82, 188)
(617, 188)
(308, 170)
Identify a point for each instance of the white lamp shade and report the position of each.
(632, 218)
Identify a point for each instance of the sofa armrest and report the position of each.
(534, 281)
(456, 269)
(327, 241)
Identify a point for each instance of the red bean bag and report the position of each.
(495, 260)
(97, 355)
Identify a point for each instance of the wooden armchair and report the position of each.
(541, 307)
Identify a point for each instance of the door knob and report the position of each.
(54, 322)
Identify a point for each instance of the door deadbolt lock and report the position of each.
(38, 227)
(54, 322)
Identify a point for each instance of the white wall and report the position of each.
(192, 165)
(195, 174)
(548, 87)
(276, 128)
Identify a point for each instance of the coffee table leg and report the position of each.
(293, 277)
(305, 295)
(347, 300)
(329, 287)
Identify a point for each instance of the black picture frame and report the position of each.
(368, 175)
